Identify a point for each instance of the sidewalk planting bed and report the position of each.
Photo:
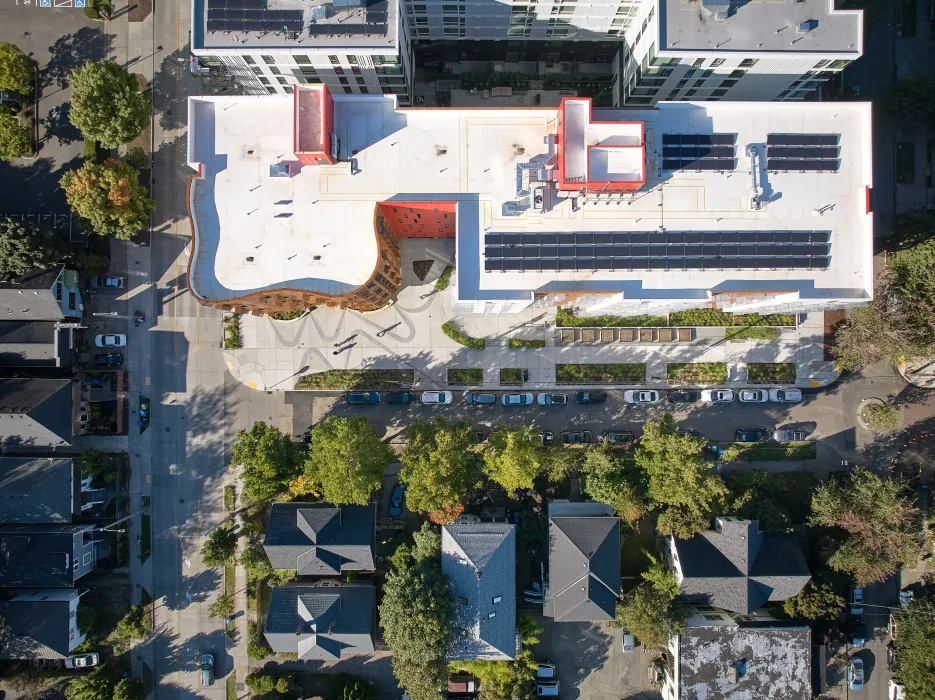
(769, 452)
(756, 333)
(601, 374)
(771, 372)
(473, 376)
(511, 375)
(714, 317)
(232, 332)
(517, 343)
(441, 284)
(459, 337)
(567, 318)
(698, 372)
(373, 379)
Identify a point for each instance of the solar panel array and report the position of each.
(699, 151)
(251, 16)
(651, 250)
(804, 152)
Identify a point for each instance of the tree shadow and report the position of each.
(59, 126)
(73, 51)
(34, 188)
(171, 85)
(194, 589)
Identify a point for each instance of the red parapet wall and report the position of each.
(420, 219)
(324, 110)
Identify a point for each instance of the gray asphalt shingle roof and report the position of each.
(40, 629)
(317, 539)
(30, 297)
(321, 622)
(480, 562)
(738, 568)
(36, 490)
(36, 412)
(584, 567)
(33, 344)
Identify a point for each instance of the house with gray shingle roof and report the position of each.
(480, 562)
(37, 412)
(322, 623)
(584, 562)
(41, 295)
(44, 344)
(319, 539)
(737, 567)
(43, 622)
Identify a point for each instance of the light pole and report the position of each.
(117, 522)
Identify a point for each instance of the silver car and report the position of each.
(789, 435)
(524, 399)
(717, 395)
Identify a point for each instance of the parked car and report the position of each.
(587, 397)
(754, 396)
(396, 501)
(857, 601)
(106, 282)
(751, 435)
(785, 395)
(627, 642)
(576, 437)
(892, 665)
(365, 398)
(400, 397)
(616, 437)
(717, 395)
(855, 674)
(635, 396)
(683, 396)
(116, 340)
(547, 437)
(430, 398)
(108, 359)
(552, 399)
(547, 690)
(788, 435)
(895, 690)
(479, 397)
(207, 669)
(12, 99)
(544, 670)
(690, 432)
(83, 660)
(524, 399)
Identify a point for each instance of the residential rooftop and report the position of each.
(687, 229)
(37, 490)
(760, 27)
(252, 26)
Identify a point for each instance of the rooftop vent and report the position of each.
(719, 9)
(807, 26)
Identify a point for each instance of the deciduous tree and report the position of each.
(16, 73)
(254, 560)
(915, 648)
(15, 139)
(136, 624)
(650, 615)
(815, 601)
(347, 459)
(219, 547)
(515, 457)
(267, 458)
(440, 466)
(95, 686)
(98, 465)
(110, 197)
(107, 105)
(130, 689)
(878, 521)
(416, 614)
(222, 607)
(615, 481)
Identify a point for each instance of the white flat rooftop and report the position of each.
(761, 26)
(475, 156)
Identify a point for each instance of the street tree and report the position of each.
(15, 138)
(16, 73)
(877, 522)
(130, 689)
(440, 466)
(255, 562)
(347, 459)
(885, 418)
(416, 614)
(614, 480)
(135, 625)
(219, 546)
(777, 500)
(515, 457)
(95, 686)
(915, 648)
(25, 247)
(222, 607)
(107, 105)
(912, 97)
(651, 615)
(678, 479)
(109, 195)
(814, 602)
(267, 459)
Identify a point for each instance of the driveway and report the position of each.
(590, 664)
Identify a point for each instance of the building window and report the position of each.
(268, 60)
(727, 83)
(364, 90)
(716, 62)
(338, 70)
(308, 71)
(699, 62)
(334, 60)
(822, 64)
(249, 60)
(275, 71)
(748, 62)
(343, 81)
(302, 60)
(737, 74)
(718, 93)
(265, 81)
(257, 70)
(282, 81)
(838, 64)
(690, 92)
(361, 81)
(270, 89)
(353, 60)
(288, 89)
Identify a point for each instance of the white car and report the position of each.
(524, 399)
(118, 340)
(754, 396)
(83, 660)
(785, 395)
(717, 395)
(434, 397)
(634, 396)
(895, 690)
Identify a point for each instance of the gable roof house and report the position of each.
(38, 490)
(45, 555)
(45, 344)
(44, 623)
(737, 567)
(36, 412)
(41, 295)
(584, 562)
(480, 562)
(322, 622)
(317, 539)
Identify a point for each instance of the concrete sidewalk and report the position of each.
(408, 335)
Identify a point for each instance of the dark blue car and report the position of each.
(396, 501)
(363, 397)
(400, 397)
